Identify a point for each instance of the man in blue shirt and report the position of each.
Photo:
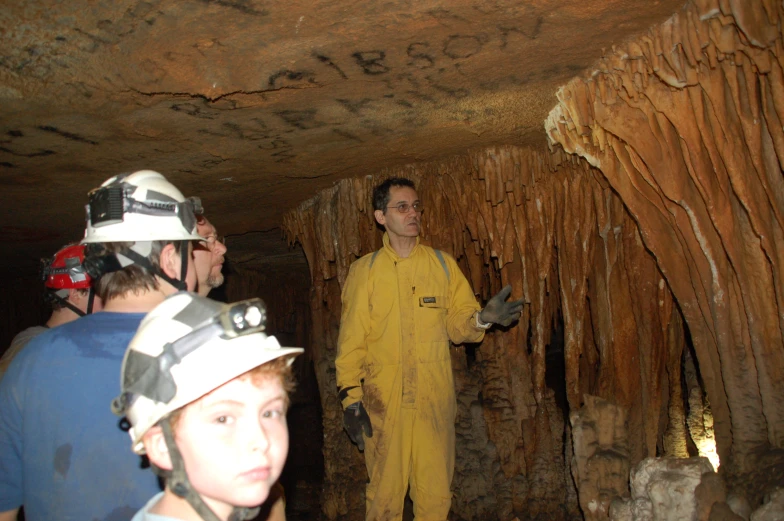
(62, 455)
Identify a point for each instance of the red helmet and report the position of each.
(65, 270)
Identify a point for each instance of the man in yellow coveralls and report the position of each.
(401, 306)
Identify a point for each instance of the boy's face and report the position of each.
(234, 442)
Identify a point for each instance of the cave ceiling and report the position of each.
(256, 105)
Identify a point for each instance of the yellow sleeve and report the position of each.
(354, 330)
(460, 321)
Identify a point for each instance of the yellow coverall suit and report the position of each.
(398, 317)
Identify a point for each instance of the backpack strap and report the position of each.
(373, 258)
(443, 262)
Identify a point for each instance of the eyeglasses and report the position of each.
(209, 242)
(405, 207)
(212, 239)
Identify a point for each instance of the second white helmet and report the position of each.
(186, 347)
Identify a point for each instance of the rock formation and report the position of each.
(670, 489)
(772, 509)
(659, 249)
(601, 450)
(647, 240)
(685, 124)
(550, 225)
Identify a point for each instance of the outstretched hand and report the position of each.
(499, 311)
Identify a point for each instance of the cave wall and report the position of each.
(550, 225)
(21, 306)
(685, 124)
(285, 291)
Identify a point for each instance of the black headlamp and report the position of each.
(108, 205)
(242, 318)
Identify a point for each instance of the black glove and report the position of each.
(356, 420)
(499, 311)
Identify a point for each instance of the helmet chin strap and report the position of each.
(90, 300)
(183, 265)
(70, 306)
(100, 263)
(177, 481)
(144, 262)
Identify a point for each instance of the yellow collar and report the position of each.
(391, 251)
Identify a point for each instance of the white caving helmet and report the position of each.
(184, 348)
(138, 208)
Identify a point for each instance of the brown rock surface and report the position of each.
(674, 489)
(601, 451)
(653, 228)
(685, 123)
(256, 105)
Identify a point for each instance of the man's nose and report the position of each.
(220, 248)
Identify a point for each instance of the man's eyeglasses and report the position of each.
(405, 207)
(210, 241)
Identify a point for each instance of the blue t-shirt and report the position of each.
(62, 453)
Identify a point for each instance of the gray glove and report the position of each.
(355, 421)
(499, 311)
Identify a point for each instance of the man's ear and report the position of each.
(380, 217)
(155, 446)
(170, 261)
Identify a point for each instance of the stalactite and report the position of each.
(675, 439)
(685, 124)
(548, 224)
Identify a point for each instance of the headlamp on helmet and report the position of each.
(249, 316)
(108, 205)
(143, 206)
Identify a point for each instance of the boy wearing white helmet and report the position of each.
(203, 388)
(61, 453)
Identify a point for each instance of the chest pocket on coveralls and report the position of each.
(431, 313)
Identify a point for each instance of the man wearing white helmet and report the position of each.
(61, 453)
(213, 426)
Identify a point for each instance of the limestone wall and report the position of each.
(685, 124)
